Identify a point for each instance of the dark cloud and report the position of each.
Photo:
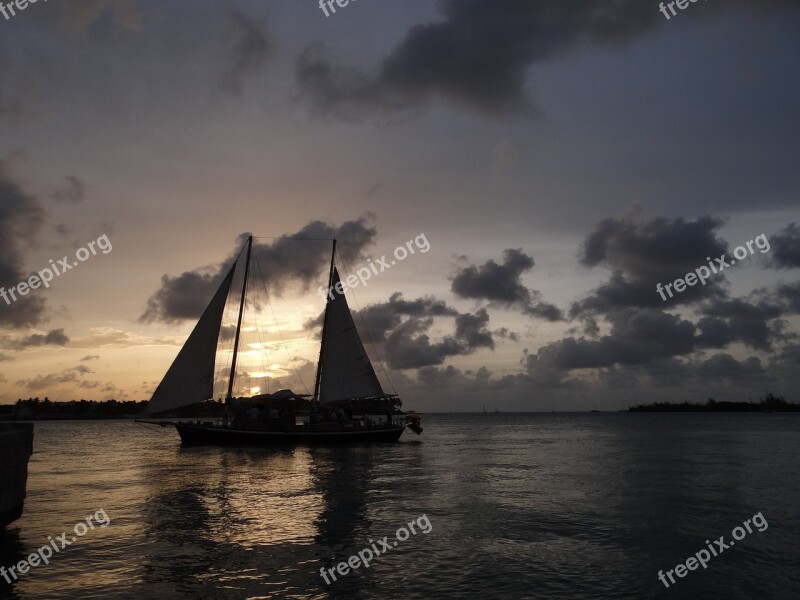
(785, 248)
(89, 357)
(783, 366)
(494, 282)
(449, 375)
(73, 191)
(399, 330)
(285, 261)
(788, 294)
(249, 53)
(182, 297)
(472, 330)
(21, 217)
(641, 255)
(714, 332)
(638, 336)
(408, 346)
(478, 55)
(724, 367)
(756, 324)
(55, 337)
(43, 382)
(381, 318)
(500, 285)
(506, 333)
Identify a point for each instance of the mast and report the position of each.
(239, 321)
(324, 327)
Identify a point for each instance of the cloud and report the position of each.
(724, 367)
(495, 282)
(381, 318)
(500, 284)
(89, 357)
(283, 262)
(788, 294)
(450, 375)
(785, 246)
(472, 330)
(55, 337)
(506, 333)
(399, 330)
(72, 193)
(21, 217)
(637, 336)
(43, 382)
(408, 345)
(756, 324)
(479, 54)
(249, 53)
(641, 254)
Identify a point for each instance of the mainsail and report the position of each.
(345, 370)
(190, 379)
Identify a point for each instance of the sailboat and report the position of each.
(347, 395)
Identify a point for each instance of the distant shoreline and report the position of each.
(769, 403)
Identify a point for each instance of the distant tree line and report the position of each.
(768, 403)
(33, 408)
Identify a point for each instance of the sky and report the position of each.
(558, 161)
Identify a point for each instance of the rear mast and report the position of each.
(239, 321)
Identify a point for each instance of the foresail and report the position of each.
(346, 369)
(190, 379)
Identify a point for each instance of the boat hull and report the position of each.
(202, 435)
(16, 446)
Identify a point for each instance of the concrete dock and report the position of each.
(16, 447)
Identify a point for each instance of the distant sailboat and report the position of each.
(345, 384)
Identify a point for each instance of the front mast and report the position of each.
(239, 322)
(324, 328)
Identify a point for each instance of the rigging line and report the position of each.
(272, 310)
(364, 323)
(259, 327)
(223, 348)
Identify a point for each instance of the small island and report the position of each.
(768, 403)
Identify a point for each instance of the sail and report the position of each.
(346, 371)
(190, 379)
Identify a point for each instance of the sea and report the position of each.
(542, 505)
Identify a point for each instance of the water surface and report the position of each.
(521, 506)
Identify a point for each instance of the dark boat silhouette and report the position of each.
(347, 393)
(16, 447)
